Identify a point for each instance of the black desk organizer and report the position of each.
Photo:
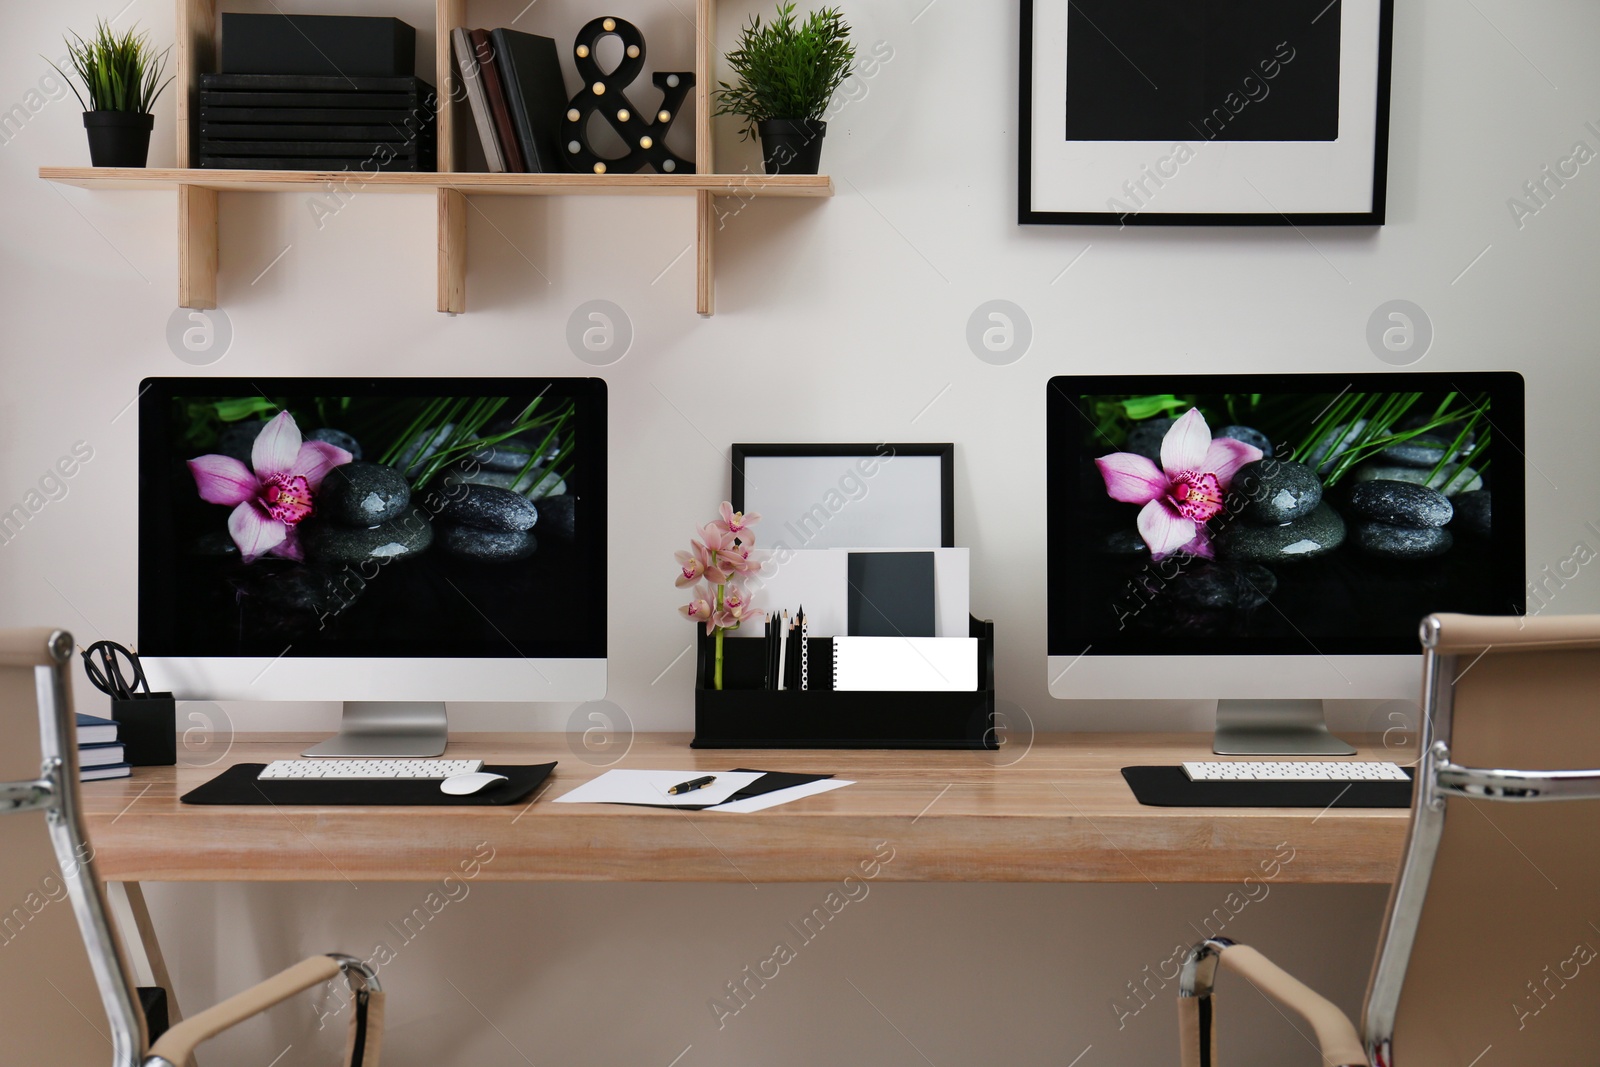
(742, 714)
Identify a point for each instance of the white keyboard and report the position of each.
(1292, 771)
(423, 769)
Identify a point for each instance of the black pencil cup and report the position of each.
(147, 726)
(744, 715)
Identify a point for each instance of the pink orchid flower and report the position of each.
(691, 566)
(700, 608)
(275, 493)
(735, 559)
(735, 609)
(709, 554)
(1186, 491)
(737, 523)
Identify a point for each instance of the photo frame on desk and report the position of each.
(1208, 113)
(847, 495)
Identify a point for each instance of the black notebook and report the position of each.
(891, 594)
(530, 70)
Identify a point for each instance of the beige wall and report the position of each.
(840, 320)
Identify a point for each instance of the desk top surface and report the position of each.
(1056, 811)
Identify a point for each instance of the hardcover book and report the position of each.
(494, 84)
(531, 69)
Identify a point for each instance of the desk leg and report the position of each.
(139, 942)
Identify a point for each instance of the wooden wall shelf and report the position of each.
(270, 181)
(197, 189)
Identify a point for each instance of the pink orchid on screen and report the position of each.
(1186, 491)
(275, 493)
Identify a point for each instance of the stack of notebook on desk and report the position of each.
(99, 751)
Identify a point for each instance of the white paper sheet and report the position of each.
(782, 796)
(650, 787)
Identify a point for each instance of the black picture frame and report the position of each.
(1028, 215)
(944, 452)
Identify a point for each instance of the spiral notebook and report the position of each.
(905, 664)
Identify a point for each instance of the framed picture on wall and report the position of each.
(1204, 112)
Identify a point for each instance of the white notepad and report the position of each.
(917, 664)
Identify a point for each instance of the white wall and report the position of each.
(837, 320)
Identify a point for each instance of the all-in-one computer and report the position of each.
(391, 543)
(1271, 541)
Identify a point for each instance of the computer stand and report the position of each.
(387, 729)
(1275, 728)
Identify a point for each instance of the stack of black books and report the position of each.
(316, 92)
(311, 122)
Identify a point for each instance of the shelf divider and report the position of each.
(196, 48)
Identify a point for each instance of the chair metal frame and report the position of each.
(55, 793)
(1438, 778)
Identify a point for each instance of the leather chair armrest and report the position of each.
(178, 1043)
(1336, 1034)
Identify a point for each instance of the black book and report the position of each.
(530, 68)
(312, 83)
(352, 149)
(353, 116)
(422, 102)
(336, 164)
(261, 131)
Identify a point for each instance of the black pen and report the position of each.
(692, 784)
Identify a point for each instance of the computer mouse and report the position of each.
(460, 785)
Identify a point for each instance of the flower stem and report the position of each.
(716, 678)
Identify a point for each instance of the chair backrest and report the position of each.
(65, 996)
(1491, 938)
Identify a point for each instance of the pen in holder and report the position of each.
(147, 723)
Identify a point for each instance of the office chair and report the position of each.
(65, 992)
(1490, 937)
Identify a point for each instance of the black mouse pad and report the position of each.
(1169, 787)
(239, 784)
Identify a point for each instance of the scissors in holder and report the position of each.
(108, 675)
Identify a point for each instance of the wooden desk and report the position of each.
(1058, 812)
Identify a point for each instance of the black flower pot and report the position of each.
(791, 146)
(118, 138)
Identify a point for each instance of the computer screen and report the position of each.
(1279, 514)
(395, 519)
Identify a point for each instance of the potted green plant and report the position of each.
(788, 71)
(122, 75)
